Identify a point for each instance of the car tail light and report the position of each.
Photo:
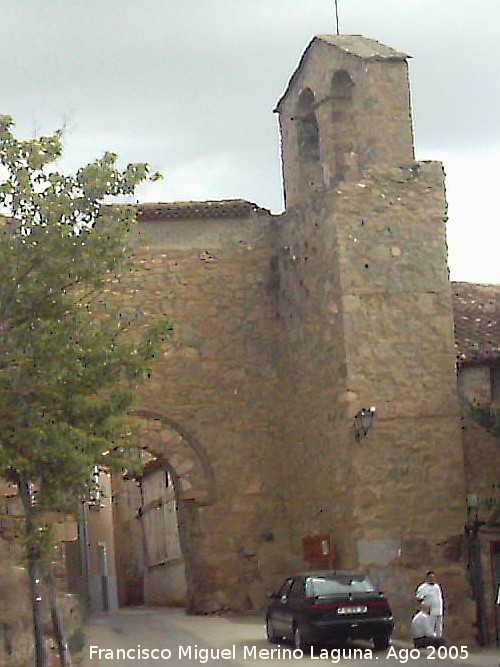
(325, 605)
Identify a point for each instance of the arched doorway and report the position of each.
(156, 515)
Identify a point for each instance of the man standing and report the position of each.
(430, 591)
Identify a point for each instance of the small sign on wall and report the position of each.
(317, 552)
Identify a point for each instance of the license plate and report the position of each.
(360, 609)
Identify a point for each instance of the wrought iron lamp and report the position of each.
(363, 421)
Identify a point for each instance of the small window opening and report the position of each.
(342, 90)
(342, 94)
(307, 127)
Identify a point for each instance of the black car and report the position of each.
(328, 606)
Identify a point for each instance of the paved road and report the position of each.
(168, 638)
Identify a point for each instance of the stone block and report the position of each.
(378, 552)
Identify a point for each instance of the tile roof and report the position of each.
(355, 45)
(225, 208)
(476, 312)
(363, 47)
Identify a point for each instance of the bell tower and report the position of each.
(345, 108)
(366, 319)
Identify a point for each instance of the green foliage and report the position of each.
(67, 370)
(76, 642)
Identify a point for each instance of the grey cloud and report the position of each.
(186, 85)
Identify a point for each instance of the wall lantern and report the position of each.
(363, 421)
(472, 501)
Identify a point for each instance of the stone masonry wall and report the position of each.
(217, 379)
(482, 464)
(313, 374)
(366, 302)
(129, 542)
(284, 328)
(400, 358)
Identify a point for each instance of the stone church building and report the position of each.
(306, 413)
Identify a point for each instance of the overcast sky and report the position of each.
(190, 85)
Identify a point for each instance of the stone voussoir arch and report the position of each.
(183, 453)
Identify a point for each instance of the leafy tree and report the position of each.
(69, 363)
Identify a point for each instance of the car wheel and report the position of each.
(271, 634)
(381, 643)
(298, 639)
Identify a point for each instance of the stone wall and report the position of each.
(482, 462)
(366, 320)
(482, 465)
(217, 381)
(474, 384)
(16, 620)
(16, 634)
(100, 552)
(313, 376)
(285, 327)
(129, 542)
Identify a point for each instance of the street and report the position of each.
(151, 637)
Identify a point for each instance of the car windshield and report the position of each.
(338, 586)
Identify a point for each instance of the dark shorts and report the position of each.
(423, 642)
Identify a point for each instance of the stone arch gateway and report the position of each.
(185, 463)
(285, 327)
(186, 456)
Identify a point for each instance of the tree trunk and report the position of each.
(57, 622)
(33, 562)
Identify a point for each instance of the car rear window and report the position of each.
(338, 585)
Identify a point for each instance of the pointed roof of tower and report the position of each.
(363, 47)
(355, 45)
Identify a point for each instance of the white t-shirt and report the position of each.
(421, 625)
(432, 594)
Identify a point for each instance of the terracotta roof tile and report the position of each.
(476, 311)
(183, 210)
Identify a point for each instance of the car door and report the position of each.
(279, 610)
(296, 605)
